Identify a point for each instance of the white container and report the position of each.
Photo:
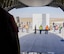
(40, 19)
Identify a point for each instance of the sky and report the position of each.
(55, 12)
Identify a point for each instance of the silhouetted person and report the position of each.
(54, 26)
(8, 34)
(35, 30)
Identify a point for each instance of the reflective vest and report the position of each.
(40, 28)
(46, 28)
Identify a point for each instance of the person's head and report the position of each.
(35, 25)
(40, 25)
(53, 23)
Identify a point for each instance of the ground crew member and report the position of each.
(27, 28)
(35, 29)
(60, 27)
(40, 28)
(46, 29)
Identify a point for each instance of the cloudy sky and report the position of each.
(28, 11)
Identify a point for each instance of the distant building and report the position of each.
(24, 21)
(57, 21)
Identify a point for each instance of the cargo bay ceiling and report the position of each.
(10, 4)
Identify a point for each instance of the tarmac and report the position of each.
(21, 34)
(41, 43)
